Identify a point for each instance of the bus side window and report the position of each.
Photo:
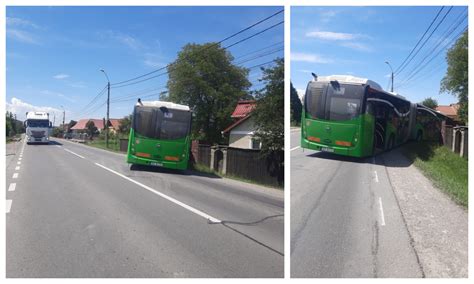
(369, 108)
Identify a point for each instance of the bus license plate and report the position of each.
(156, 164)
(326, 149)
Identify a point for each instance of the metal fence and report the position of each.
(251, 165)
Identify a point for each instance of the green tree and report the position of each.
(8, 124)
(269, 112)
(430, 102)
(124, 124)
(91, 128)
(204, 78)
(71, 125)
(295, 105)
(456, 79)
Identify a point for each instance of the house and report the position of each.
(241, 131)
(80, 126)
(450, 111)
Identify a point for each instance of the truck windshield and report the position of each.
(37, 123)
(334, 101)
(161, 123)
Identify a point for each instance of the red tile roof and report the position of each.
(243, 108)
(451, 110)
(115, 123)
(81, 124)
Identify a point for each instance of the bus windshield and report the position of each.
(37, 123)
(333, 101)
(161, 123)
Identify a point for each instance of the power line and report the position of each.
(94, 99)
(432, 22)
(436, 55)
(258, 50)
(449, 31)
(426, 40)
(215, 44)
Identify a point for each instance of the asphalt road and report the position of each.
(77, 211)
(345, 219)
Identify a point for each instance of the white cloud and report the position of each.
(22, 36)
(307, 57)
(357, 46)
(153, 60)
(332, 35)
(20, 22)
(124, 39)
(301, 93)
(61, 76)
(19, 107)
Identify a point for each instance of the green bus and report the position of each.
(355, 117)
(160, 135)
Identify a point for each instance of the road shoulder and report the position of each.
(437, 225)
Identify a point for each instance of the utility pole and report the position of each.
(64, 119)
(108, 105)
(392, 73)
(54, 118)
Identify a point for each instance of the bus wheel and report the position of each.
(419, 136)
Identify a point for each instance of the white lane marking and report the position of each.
(376, 176)
(18, 163)
(58, 146)
(19, 159)
(17, 168)
(15, 175)
(9, 205)
(177, 202)
(74, 153)
(381, 212)
(297, 147)
(12, 187)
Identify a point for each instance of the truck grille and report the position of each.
(37, 134)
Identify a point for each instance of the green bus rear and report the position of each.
(160, 136)
(352, 119)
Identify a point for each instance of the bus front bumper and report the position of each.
(339, 150)
(180, 165)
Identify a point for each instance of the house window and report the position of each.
(255, 143)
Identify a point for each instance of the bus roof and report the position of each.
(350, 80)
(347, 79)
(37, 115)
(159, 104)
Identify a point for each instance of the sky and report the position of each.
(358, 41)
(54, 54)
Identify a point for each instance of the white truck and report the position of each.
(37, 127)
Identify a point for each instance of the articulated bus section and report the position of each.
(355, 117)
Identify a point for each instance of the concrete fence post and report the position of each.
(224, 161)
(453, 144)
(211, 166)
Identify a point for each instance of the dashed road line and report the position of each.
(8, 206)
(18, 163)
(19, 159)
(15, 175)
(382, 217)
(376, 177)
(297, 147)
(175, 201)
(12, 187)
(74, 153)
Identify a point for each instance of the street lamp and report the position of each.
(108, 103)
(392, 73)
